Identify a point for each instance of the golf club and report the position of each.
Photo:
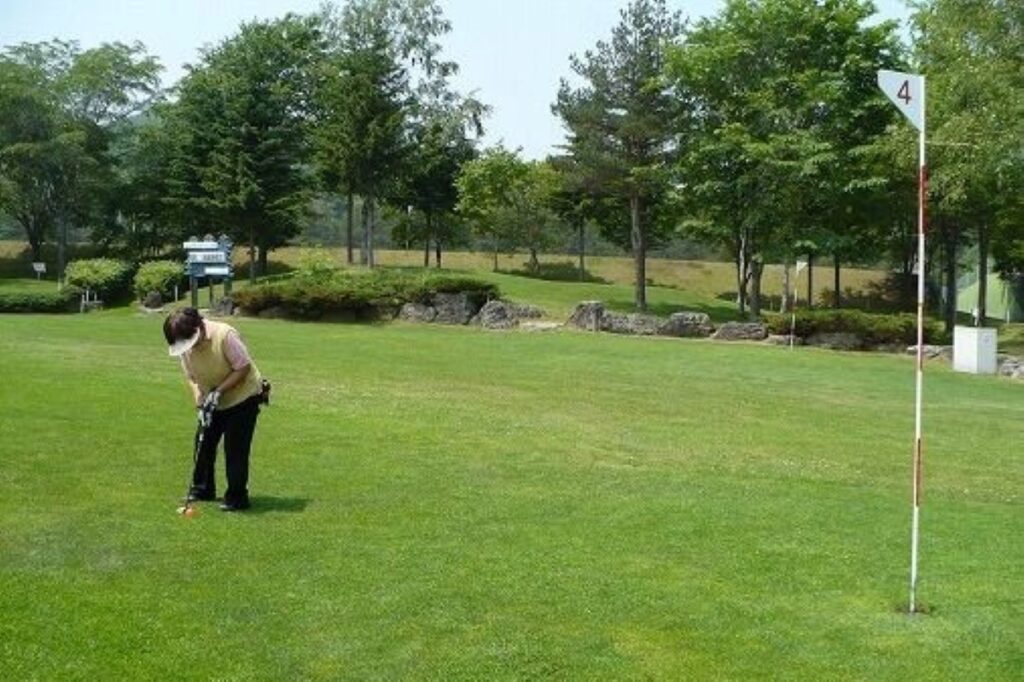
(204, 416)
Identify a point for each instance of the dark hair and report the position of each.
(182, 324)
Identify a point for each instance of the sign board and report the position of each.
(207, 256)
(906, 91)
(39, 268)
(201, 245)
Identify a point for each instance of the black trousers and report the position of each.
(237, 425)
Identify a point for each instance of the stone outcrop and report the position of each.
(498, 314)
(783, 340)
(453, 308)
(637, 324)
(153, 300)
(1011, 367)
(741, 331)
(417, 312)
(588, 315)
(690, 325)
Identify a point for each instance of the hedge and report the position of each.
(39, 301)
(871, 329)
(110, 279)
(159, 276)
(358, 294)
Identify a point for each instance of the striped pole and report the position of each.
(922, 196)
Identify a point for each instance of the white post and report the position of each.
(922, 195)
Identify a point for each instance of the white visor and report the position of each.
(179, 348)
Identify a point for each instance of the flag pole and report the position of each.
(922, 196)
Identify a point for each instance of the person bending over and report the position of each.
(228, 387)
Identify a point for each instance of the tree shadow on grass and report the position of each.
(267, 504)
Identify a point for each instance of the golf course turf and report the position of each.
(449, 503)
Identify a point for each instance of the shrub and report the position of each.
(316, 265)
(873, 330)
(359, 294)
(160, 276)
(110, 279)
(39, 301)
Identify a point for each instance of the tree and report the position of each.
(620, 121)
(970, 51)
(509, 200)
(59, 111)
(244, 114)
(439, 151)
(780, 96)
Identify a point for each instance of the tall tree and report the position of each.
(59, 110)
(620, 120)
(245, 111)
(971, 52)
(780, 96)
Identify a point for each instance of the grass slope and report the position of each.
(450, 503)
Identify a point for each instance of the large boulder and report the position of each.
(783, 340)
(453, 308)
(417, 312)
(498, 314)
(587, 315)
(1011, 367)
(741, 331)
(225, 307)
(631, 323)
(836, 340)
(153, 300)
(687, 324)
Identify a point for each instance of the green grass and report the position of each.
(10, 285)
(448, 503)
(1011, 339)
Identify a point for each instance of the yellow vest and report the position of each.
(210, 367)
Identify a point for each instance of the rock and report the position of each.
(783, 340)
(453, 308)
(224, 307)
(417, 312)
(497, 314)
(153, 300)
(632, 323)
(1011, 367)
(835, 340)
(688, 325)
(741, 331)
(587, 315)
(931, 352)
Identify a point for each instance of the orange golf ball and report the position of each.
(190, 512)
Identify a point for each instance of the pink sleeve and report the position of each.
(235, 351)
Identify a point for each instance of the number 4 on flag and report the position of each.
(906, 91)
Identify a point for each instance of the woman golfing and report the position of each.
(228, 389)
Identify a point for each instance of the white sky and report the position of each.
(511, 52)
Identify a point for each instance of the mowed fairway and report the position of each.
(451, 503)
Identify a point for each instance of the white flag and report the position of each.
(906, 91)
